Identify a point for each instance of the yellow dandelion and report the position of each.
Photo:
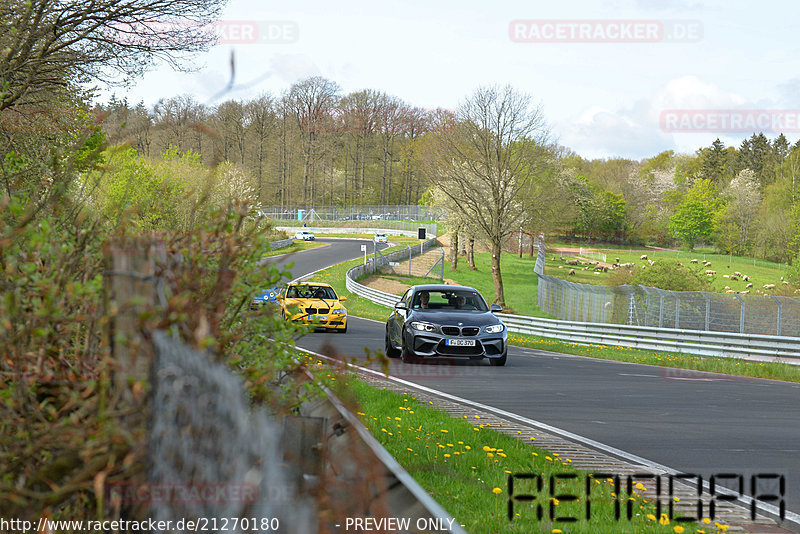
(447, 456)
(678, 529)
(489, 455)
(664, 520)
(640, 486)
(497, 491)
(651, 517)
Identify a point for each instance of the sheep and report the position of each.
(734, 277)
(572, 262)
(693, 260)
(643, 257)
(745, 278)
(785, 283)
(745, 292)
(571, 272)
(651, 262)
(730, 291)
(727, 287)
(769, 286)
(560, 266)
(725, 276)
(679, 264)
(585, 268)
(617, 260)
(709, 272)
(748, 286)
(737, 273)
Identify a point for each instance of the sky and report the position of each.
(620, 78)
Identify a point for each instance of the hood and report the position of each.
(447, 317)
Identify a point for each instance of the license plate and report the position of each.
(319, 318)
(460, 342)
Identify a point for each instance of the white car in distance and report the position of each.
(304, 235)
(380, 238)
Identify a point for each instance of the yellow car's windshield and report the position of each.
(310, 292)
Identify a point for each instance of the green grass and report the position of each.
(465, 466)
(297, 246)
(760, 271)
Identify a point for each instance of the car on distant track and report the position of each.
(380, 238)
(314, 303)
(304, 235)
(266, 296)
(445, 322)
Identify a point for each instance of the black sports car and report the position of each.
(441, 321)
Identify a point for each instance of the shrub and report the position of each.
(667, 275)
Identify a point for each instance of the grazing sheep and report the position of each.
(769, 286)
(572, 262)
(643, 257)
(651, 262)
(693, 261)
(725, 276)
(781, 279)
(585, 268)
(734, 277)
(730, 291)
(745, 292)
(785, 283)
(745, 278)
(737, 273)
(748, 286)
(571, 272)
(727, 287)
(680, 264)
(709, 272)
(560, 266)
(617, 260)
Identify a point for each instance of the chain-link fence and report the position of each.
(402, 212)
(650, 306)
(196, 475)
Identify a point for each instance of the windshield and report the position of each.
(310, 292)
(449, 301)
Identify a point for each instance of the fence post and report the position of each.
(708, 308)
(131, 289)
(780, 314)
(677, 310)
(741, 314)
(409, 260)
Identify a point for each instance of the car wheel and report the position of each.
(343, 330)
(501, 361)
(406, 355)
(390, 351)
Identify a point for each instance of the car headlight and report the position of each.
(495, 328)
(423, 327)
(339, 311)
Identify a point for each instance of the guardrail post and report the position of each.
(708, 308)
(409, 260)
(780, 314)
(741, 314)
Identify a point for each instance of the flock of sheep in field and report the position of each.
(598, 267)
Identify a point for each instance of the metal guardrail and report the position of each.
(380, 297)
(283, 243)
(703, 343)
(431, 231)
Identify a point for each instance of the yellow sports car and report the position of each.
(315, 303)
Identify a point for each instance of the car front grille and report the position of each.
(319, 311)
(456, 331)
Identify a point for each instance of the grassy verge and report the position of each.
(465, 466)
(760, 272)
(297, 246)
(667, 360)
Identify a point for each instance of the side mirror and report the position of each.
(400, 306)
(342, 298)
(495, 308)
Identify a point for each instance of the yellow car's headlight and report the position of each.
(339, 311)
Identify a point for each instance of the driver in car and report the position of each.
(424, 298)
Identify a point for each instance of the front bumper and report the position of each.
(433, 345)
(336, 322)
